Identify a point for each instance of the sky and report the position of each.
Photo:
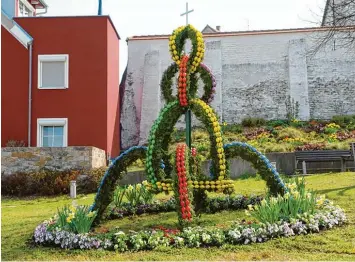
(146, 17)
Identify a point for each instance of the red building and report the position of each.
(62, 88)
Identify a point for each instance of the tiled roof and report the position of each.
(238, 33)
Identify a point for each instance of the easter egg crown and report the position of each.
(182, 175)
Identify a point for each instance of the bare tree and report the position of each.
(339, 24)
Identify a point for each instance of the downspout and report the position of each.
(30, 44)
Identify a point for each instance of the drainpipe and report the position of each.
(99, 12)
(30, 44)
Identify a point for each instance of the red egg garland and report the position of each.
(182, 183)
(183, 99)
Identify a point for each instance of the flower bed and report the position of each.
(192, 236)
(213, 205)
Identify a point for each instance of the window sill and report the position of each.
(52, 88)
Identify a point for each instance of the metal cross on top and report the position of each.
(188, 112)
(187, 13)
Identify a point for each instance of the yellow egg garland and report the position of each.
(177, 42)
(217, 144)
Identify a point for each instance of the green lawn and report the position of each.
(20, 217)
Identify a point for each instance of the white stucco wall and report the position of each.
(255, 73)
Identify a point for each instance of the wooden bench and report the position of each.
(325, 156)
(352, 151)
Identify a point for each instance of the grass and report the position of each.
(20, 217)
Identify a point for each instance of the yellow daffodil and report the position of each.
(273, 200)
(72, 209)
(296, 194)
(250, 207)
(319, 202)
(90, 214)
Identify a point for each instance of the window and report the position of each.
(53, 71)
(25, 8)
(52, 132)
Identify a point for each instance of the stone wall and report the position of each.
(255, 73)
(27, 159)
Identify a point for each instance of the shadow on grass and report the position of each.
(341, 190)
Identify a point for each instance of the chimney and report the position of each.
(218, 28)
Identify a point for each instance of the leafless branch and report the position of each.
(339, 20)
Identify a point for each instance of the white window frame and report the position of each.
(41, 122)
(31, 10)
(54, 58)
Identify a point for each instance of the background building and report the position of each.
(256, 73)
(60, 81)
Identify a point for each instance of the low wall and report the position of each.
(285, 164)
(27, 159)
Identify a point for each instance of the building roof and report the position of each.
(87, 16)
(208, 29)
(15, 29)
(325, 12)
(240, 33)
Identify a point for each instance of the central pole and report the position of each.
(188, 112)
(99, 12)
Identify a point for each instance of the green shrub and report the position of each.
(290, 132)
(43, 182)
(253, 122)
(91, 180)
(275, 123)
(343, 120)
(298, 124)
(47, 182)
(272, 147)
(330, 130)
(351, 126)
(337, 146)
(233, 128)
